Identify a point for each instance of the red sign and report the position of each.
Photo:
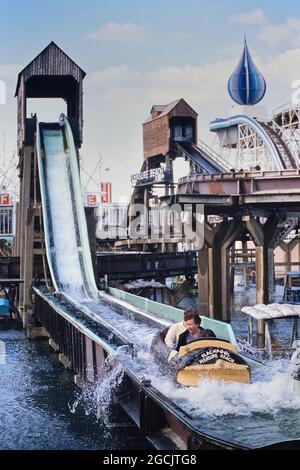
(105, 192)
(4, 199)
(91, 200)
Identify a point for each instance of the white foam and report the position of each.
(270, 390)
(64, 233)
(216, 398)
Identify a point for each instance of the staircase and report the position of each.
(213, 155)
(288, 225)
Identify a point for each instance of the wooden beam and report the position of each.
(214, 282)
(203, 280)
(28, 257)
(232, 232)
(24, 205)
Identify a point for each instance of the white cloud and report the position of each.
(8, 71)
(128, 32)
(128, 91)
(204, 87)
(230, 51)
(113, 75)
(287, 32)
(165, 84)
(118, 100)
(255, 17)
(287, 62)
(295, 40)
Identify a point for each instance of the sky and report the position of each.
(137, 53)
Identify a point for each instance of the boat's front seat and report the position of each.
(206, 343)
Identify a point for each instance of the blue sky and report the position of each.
(26, 26)
(139, 53)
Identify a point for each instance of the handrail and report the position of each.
(285, 107)
(213, 154)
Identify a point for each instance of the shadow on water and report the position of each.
(36, 396)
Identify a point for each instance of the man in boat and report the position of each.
(193, 330)
(176, 330)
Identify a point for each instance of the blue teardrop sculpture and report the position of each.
(246, 85)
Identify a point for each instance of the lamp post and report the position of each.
(99, 165)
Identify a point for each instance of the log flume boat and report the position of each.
(205, 358)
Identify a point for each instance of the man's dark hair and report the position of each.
(190, 314)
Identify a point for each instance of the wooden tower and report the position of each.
(165, 123)
(52, 74)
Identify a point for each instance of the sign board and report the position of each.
(91, 200)
(155, 175)
(5, 200)
(106, 194)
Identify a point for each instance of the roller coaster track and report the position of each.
(276, 147)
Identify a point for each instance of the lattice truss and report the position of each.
(248, 151)
(9, 181)
(287, 119)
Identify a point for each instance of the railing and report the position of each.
(239, 256)
(213, 154)
(285, 107)
(289, 225)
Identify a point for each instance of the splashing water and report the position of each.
(216, 398)
(97, 397)
(266, 410)
(270, 390)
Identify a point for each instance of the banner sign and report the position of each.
(155, 175)
(91, 200)
(106, 192)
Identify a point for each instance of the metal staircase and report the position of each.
(287, 226)
(201, 157)
(213, 155)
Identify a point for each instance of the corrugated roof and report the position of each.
(170, 106)
(157, 107)
(44, 51)
(166, 109)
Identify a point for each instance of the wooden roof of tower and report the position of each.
(176, 108)
(51, 74)
(51, 61)
(156, 127)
